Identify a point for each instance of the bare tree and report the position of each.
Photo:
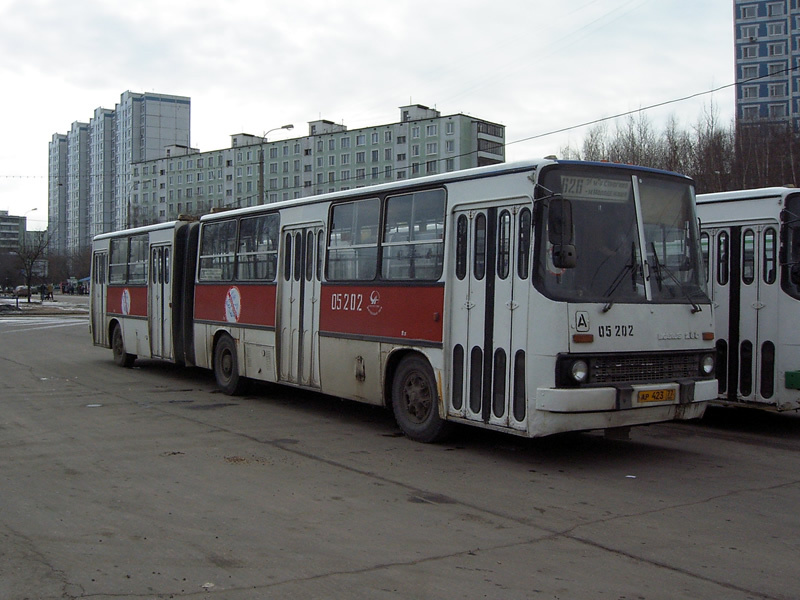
(32, 252)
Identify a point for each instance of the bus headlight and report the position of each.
(579, 371)
(707, 364)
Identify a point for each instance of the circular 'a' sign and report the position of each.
(233, 305)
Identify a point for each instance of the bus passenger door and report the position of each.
(159, 294)
(488, 311)
(744, 282)
(99, 278)
(298, 306)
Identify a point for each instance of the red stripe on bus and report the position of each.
(255, 304)
(408, 312)
(133, 303)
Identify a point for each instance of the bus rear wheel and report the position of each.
(121, 357)
(226, 367)
(415, 401)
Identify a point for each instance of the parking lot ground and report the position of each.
(148, 483)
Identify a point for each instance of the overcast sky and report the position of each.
(535, 66)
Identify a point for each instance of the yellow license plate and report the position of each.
(657, 395)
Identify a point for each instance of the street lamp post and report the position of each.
(262, 192)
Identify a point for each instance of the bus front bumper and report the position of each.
(605, 399)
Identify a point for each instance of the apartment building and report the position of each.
(89, 179)
(330, 158)
(767, 46)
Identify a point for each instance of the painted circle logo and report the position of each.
(126, 301)
(233, 305)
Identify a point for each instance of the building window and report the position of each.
(430, 130)
(415, 132)
(775, 9)
(401, 157)
(361, 157)
(375, 138)
(449, 128)
(375, 156)
(777, 49)
(387, 154)
(777, 111)
(450, 146)
(777, 90)
(361, 139)
(431, 148)
(401, 139)
(775, 29)
(776, 68)
(344, 143)
(387, 137)
(749, 51)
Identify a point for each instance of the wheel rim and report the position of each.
(119, 348)
(226, 364)
(417, 397)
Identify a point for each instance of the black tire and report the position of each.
(415, 401)
(226, 367)
(121, 357)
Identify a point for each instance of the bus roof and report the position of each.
(442, 178)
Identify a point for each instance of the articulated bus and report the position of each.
(532, 298)
(751, 244)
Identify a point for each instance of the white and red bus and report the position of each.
(751, 241)
(533, 298)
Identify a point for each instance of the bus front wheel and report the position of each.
(121, 357)
(226, 367)
(415, 401)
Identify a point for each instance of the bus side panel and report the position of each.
(398, 312)
(352, 369)
(243, 304)
(127, 301)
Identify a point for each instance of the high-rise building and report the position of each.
(144, 125)
(57, 194)
(330, 158)
(78, 188)
(90, 187)
(767, 57)
(102, 208)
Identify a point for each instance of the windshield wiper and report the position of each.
(658, 268)
(628, 268)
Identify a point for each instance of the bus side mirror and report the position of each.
(559, 228)
(564, 256)
(559, 221)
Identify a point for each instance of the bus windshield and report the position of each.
(633, 238)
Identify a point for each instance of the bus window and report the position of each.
(298, 255)
(413, 236)
(462, 230)
(770, 258)
(524, 243)
(748, 257)
(137, 259)
(722, 258)
(217, 248)
(309, 256)
(257, 255)
(353, 243)
(503, 244)
(287, 258)
(479, 258)
(118, 265)
(705, 249)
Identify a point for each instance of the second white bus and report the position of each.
(751, 242)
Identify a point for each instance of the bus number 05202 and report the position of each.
(615, 331)
(347, 302)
